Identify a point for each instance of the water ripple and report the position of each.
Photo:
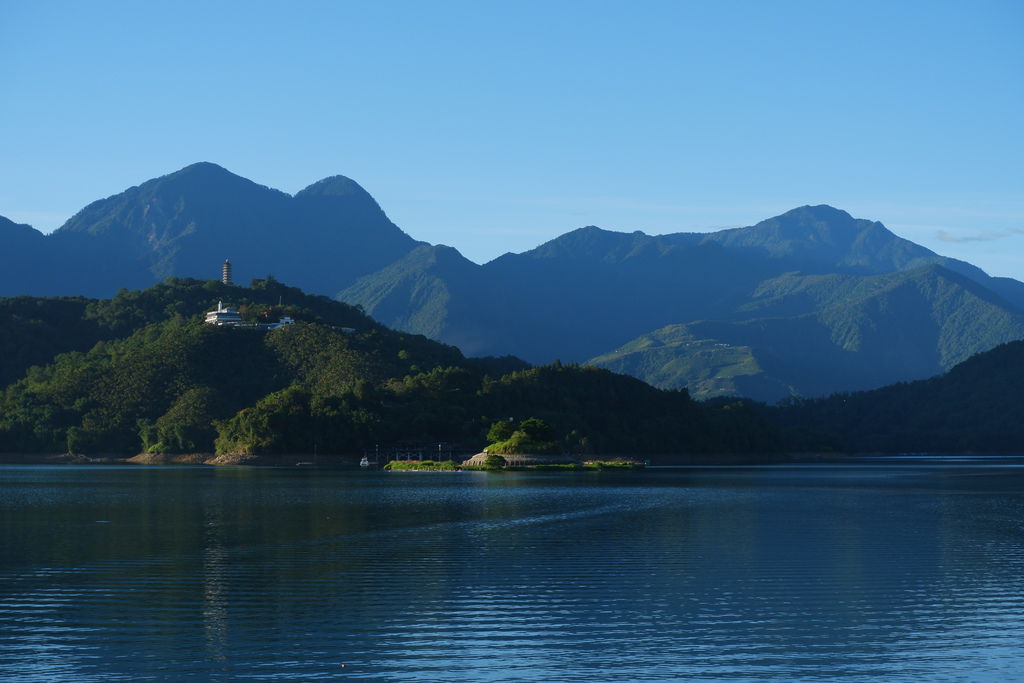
(804, 574)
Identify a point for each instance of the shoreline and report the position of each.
(207, 459)
(345, 461)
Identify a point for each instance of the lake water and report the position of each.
(868, 572)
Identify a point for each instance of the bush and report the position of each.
(500, 431)
(493, 461)
(531, 436)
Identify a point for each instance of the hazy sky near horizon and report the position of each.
(493, 127)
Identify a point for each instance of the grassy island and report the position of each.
(422, 466)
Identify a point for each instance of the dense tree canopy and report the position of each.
(144, 373)
(976, 406)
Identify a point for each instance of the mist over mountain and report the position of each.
(806, 303)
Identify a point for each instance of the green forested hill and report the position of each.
(142, 372)
(34, 329)
(976, 406)
(678, 356)
(828, 333)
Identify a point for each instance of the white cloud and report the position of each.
(987, 236)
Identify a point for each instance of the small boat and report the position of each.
(365, 462)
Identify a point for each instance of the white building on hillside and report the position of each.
(285, 320)
(223, 316)
(227, 316)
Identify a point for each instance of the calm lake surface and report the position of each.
(899, 571)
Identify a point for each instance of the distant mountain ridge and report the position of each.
(810, 302)
(892, 327)
(807, 303)
(828, 239)
(186, 223)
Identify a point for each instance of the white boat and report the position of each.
(365, 462)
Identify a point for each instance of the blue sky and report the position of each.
(493, 127)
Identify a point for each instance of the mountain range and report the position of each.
(807, 303)
(186, 223)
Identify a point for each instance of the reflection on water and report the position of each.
(215, 576)
(896, 571)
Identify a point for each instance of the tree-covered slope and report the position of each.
(975, 406)
(33, 329)
(571, 298)
(676, 356)
(592, 290)
(449, 297)
(864, 332)
(822, 239)
(809, 302)
(826, 239)
(159, 379)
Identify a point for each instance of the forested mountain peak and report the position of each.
(427, 274)
(435, 258)
(817, 214)
(582, 243)
(816, 237)
(597, 245)
(185, 223)
(341, 202)
(334, 186)
(200, 196)
(205, 171)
